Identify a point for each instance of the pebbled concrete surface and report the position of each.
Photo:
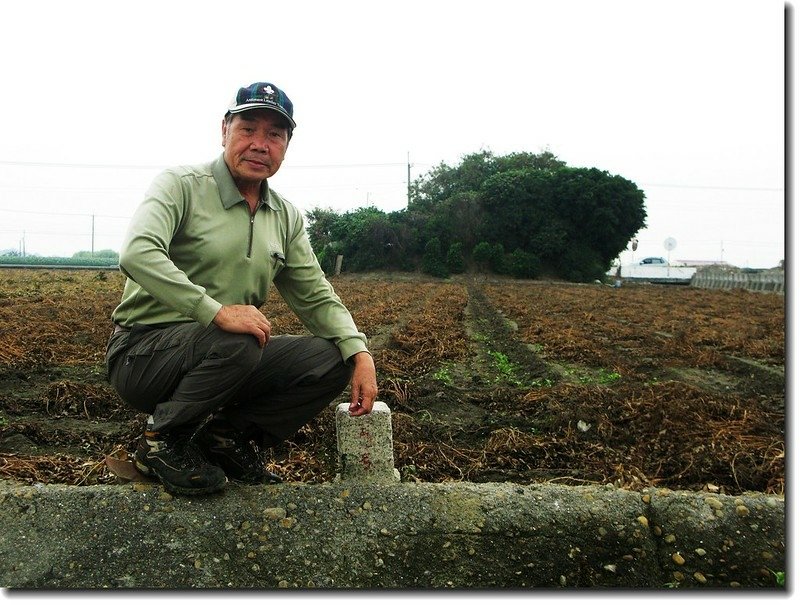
(356, 535)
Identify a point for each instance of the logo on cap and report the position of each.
(262, 94)
(268, 95)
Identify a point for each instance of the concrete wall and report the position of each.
(764, 281)
(400, 535)
(658, 273)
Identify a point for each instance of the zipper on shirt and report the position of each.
(250, 239)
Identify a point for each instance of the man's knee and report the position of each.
(240, 351)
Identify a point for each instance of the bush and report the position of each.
(523, 265)
(489, 256)
(482, 253)
(432, 263)
(106, 254)
(498, 262)
(325, 261)
(60, 261)
(455, 258)
(581, 264)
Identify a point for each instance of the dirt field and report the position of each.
(488, 381)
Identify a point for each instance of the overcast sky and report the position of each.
(683, 97)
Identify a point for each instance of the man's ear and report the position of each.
(224, 130)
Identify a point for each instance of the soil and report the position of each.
(488, 380)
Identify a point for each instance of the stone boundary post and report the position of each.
(365, 445)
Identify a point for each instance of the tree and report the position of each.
(523, 213)
(570, 222)
(604, 211)
(455, 258)
(432, 262)
(523, 265)
(571, 218)
(368, 238)
(320, 223)
(489, 256)
(482, 255)
(444, 182)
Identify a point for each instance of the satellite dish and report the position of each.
(669, 244)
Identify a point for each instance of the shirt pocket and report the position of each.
(277, 261)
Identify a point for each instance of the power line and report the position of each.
(701, 204)
(76, 165)
(68, 189)
(342, 186)
(712, 187)
(163, 166)
(139, 189)
(62, 233)
(41, 212)
(385, 165)
(334, 166)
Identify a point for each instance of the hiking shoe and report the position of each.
(176, 460)
(235, 454)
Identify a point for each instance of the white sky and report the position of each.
(683, 97)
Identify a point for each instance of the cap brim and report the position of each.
(248, 106)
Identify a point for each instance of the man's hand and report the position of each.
(364, 385)
(244, 319)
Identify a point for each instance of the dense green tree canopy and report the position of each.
(522, 214)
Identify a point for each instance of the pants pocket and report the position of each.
(149, 367)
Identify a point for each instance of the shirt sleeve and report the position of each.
(144, 255)
(303, 286)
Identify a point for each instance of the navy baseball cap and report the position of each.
(263, 95)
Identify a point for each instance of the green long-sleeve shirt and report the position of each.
(193, 246)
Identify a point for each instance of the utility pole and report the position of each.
(408, 179)
(93, 236)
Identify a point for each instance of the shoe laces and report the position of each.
(184, 447)
(239, 447)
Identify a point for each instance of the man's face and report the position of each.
(255, 143)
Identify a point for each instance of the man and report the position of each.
(190, 346)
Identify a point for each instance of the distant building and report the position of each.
(703, 263)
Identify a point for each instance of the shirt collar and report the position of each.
(229, 193)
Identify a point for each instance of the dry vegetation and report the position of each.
(488, 381)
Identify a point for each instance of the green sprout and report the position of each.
(443, 375)
(607, 377)
(780, 577)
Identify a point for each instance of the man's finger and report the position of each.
(361, 405)
(356, 408)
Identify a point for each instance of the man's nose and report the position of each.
(259, 143)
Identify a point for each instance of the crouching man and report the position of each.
(190, 345)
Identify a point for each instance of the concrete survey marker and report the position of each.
(365, 445)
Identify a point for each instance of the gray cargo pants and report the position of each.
(182, 373)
